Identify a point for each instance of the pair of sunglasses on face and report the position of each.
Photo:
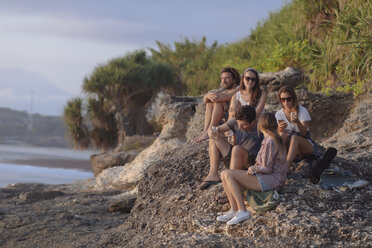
(286, 99)
(252, 79)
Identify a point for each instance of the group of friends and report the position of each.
(256, 146)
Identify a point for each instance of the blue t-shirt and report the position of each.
(250, 141)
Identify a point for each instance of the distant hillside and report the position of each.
(46, 130)
(17, 85)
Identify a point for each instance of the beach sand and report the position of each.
(83, 165)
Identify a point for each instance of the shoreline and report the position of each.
(82, 165)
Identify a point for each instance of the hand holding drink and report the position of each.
(230, 137)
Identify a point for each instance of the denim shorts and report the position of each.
(264, 186)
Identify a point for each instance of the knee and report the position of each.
(236, 150)
(225, 174)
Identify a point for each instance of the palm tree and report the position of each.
(74, 119)
(114, 87)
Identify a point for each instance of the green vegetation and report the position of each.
(329, 40)
(111, 90)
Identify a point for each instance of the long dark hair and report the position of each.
(256, 91)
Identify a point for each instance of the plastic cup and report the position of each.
(293, 115)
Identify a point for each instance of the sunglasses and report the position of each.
(253, 79)
(288, 99)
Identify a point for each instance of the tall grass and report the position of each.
(329, 40)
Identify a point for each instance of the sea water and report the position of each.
(11, 173)
(23, 173)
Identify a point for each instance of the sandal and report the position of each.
(207, 184)
(222, 199)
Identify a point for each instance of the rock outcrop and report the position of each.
(354, 139)
(168, 209)
(174, 113)
(111, 159)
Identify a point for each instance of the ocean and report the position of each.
(21, 164)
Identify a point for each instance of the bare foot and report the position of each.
(201, 138)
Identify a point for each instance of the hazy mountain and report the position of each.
(17, 85)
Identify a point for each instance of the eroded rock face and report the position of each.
(174, 113)
(327, 113)
(354, 139)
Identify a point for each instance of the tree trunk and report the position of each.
(121, 130)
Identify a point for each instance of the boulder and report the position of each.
(174, 112)
(272, 81)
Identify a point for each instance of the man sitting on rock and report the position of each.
(219, 101)
(242, 149)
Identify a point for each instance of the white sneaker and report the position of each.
(227, 216)
(239, 217)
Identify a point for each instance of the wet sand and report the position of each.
(83, 165)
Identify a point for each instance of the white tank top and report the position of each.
(239, 98)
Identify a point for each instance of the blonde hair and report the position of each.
(267, 124)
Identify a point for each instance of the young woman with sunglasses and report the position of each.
(293, 125)
(249, 94)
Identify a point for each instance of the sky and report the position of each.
(47, 47)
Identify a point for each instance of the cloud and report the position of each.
(103, 30)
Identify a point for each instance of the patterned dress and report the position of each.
(270, 164)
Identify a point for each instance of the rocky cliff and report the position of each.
(169, 211)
